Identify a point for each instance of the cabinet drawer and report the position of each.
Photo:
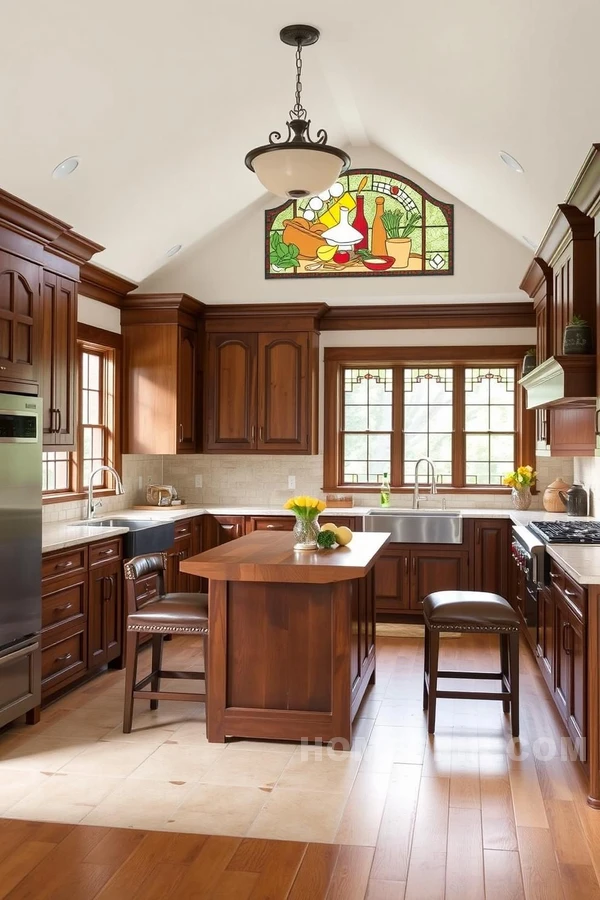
(66, 562)
(182, 529)
(574, 594)
(104, 552)
(64, 603)
(63, 659)
(270, 523)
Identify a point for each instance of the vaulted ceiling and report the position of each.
(162, 100)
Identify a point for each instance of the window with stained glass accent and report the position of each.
(428, 421)
(93, 426)
(489, 424)
(367, 425)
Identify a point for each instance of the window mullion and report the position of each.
(458, 433)
(397, 439)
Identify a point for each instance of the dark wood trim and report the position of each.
(430, 355)
(104, 286)
(54, 234)
(183, 302)
(429, 316)
(74, 496)
(538, 275)
(92, 335)
(266, 317)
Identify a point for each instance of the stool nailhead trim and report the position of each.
(169, 629)
(494, 629)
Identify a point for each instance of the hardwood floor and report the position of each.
(465, 815)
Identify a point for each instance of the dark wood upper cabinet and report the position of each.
(59, 370)
(283, 361)
(231, 393)
(261, 379)
(161, 372)
(19, 319)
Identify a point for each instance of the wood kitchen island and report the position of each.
(291, 645)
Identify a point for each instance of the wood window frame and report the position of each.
(110, 344)
(339, 358)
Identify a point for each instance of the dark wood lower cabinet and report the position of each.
(491, 538)
(570, 668)
(546, 635)
(105, 614)
(404, 575)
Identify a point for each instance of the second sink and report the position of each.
(144, 535)
(415, 527)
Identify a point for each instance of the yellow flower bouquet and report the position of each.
(305, 507)
(306, 529)
(523, 478)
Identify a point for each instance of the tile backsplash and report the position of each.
(262, 481)
(587, 472)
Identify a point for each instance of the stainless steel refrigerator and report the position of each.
(20, 554)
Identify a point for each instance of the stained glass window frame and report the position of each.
(385, 178)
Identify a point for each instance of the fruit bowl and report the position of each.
(380, 265)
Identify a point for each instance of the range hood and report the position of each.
(561, 381)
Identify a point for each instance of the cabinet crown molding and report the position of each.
(99, 284)
(182, 302)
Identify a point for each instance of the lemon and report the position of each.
(344, 535)
(330, 527)
(326, 253)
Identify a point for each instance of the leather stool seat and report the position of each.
(172, 614)
(469, 611)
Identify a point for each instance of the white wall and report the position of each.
(100, 315)
(228, 266)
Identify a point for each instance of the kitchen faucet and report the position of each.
(119, 489)
(429, 462)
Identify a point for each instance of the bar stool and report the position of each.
(471, 611)
(164, 614)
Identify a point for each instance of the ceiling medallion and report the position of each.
(298, 166)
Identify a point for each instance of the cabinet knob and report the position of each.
(180, 433)
(108, 552)
(63, 658)
(64, 565)
(2, 368)
(62, 608)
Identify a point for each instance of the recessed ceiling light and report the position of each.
(511, 162)
(529, 242)
(66, 167)
(175, 249)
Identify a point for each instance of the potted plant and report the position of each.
(577, 337)
(529, 361)
(398, 228)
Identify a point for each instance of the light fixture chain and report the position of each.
(299, 110)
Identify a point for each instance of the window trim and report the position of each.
(98, 339)
(338, 358)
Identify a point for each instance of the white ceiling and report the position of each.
(162, 101)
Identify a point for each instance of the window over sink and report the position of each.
(462, 414)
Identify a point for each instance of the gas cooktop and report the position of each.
(567, 532)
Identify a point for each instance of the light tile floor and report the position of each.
(78, 766)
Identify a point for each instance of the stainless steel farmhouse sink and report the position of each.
(144, 535)
(417, 527)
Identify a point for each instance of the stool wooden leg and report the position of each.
(504, 668)
(426, 667)
(133, 640)
(434, 651)
(514, 682)
(157, 645)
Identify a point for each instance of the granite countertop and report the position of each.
(581, 562)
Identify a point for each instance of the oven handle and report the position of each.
(24, 651)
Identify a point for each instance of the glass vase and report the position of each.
(521, 499)
(305, 532)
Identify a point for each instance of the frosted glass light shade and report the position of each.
(296, 172)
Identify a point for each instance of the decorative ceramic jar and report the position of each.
(521, 499)
(305, 532)
(552, 500)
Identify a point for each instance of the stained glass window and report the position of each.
(367, 426)
(489, 424)
(371, 222)
(428, 421)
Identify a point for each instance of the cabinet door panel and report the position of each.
(19, 319)
(577, 721)
(282, 391)
(391, 582)
(113, 611)
(561, 656)
(231, 392)
(186, 391)
(59, 371)
(545, 640)
(491, 556)
(437, 570)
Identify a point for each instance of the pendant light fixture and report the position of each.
(298, 166)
